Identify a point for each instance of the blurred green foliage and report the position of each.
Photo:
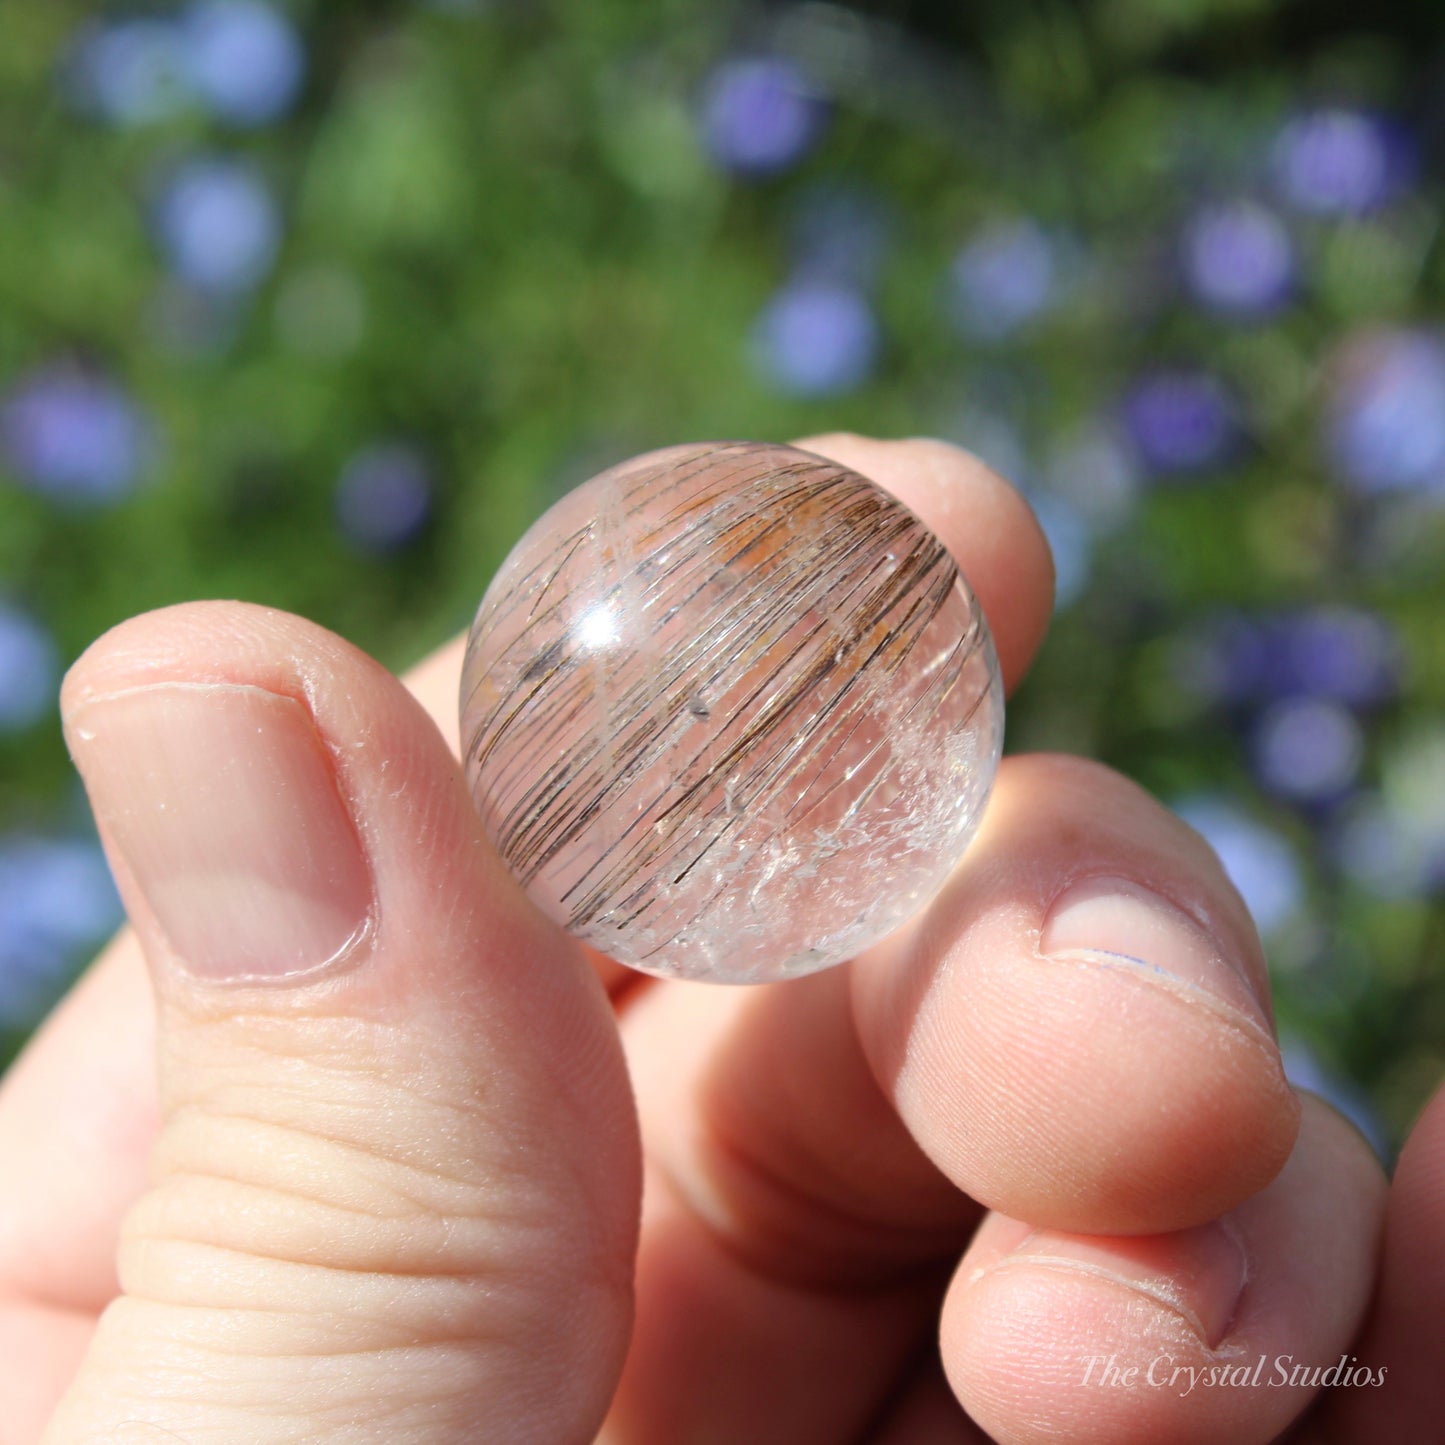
(510, 244)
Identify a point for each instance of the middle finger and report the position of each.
(1076, 1034)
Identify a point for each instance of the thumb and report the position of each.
(396, 1188)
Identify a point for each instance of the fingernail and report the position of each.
(1118, 923)
(223, 804)
(1199, 1274)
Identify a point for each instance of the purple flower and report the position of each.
(760, 116)
(29, 670)
(1338, 654)
(1238, 259)
(1385, 427)
(74, 434)
(129, 72)
(1225, 660)
(244, 59)
(1340, 162)
(1002, 279)
(383, 497)
(1181, 421)
(1259, 862)
(241, 58)
(219, 225)
(1342, 653)
(57, 902)
(1308, 749)
(817, 339)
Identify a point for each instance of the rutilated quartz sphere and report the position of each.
(729, 712)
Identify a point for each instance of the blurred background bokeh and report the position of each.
(318, 305)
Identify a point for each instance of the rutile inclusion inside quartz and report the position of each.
(729, 712)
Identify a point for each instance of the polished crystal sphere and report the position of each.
(730, 712)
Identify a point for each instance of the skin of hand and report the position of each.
(344, 1142)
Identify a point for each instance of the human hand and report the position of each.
(395, 1196)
